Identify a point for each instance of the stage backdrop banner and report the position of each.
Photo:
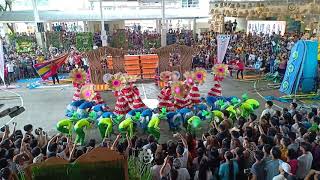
(2, 66)
(266, 27)
(223, 42)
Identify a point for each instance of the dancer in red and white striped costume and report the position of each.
(98, 99)
(122, 106)
(184, 102)
(137, 101)
(76, 95)
(216, 90)
(194, 95)
(165, 99)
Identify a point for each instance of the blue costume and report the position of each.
(185, 114)
(174, 120)
(145, 117)
(99, 109)
(72, 107)
(134, 111)
(108, 115)
(82, 111)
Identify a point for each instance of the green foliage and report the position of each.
(151, 41)
(24, 43)
(119, 40)
(80, 171)
(138, 170)
(84, 41)
(54, 39)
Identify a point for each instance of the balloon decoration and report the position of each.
(107, 77)
(78, 76)
(87, 92)
(178, 89)
(117, 82)
(189, 78)
(200, 75)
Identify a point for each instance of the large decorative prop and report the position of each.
(189, 78)
(220, 70)
(87, 92)
(178, 89)
(78, 76)
(200, 75)
(117, 82)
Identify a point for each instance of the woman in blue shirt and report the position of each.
(229, 169)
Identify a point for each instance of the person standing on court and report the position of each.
(54, 72)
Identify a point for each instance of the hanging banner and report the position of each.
(2, 66)
(223, 42)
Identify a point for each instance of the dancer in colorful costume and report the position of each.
(165, 96)
(97, 111)
(84, 109)
(105, 127)
(174, 120)
(145, 118)
(220, 71)
(153, 126)
(198, 77)
(186, 113)
(106, 123)
(72, 107)
(79, 129)
(126, 126)
(193, 124)
(65, 126)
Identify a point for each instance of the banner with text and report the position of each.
(223, 42)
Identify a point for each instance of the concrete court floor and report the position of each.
(45, 107)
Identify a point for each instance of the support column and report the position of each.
(39, 35)
(103, 31)
(163, 26)
(158, 26)
(194, 28)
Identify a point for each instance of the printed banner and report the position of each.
(223, 42)
(292, 76)
(2, 66)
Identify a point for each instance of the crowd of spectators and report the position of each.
(272, 146)
(265, 53)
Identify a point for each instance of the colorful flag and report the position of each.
(2, 66)
(44, 69)
(223, 42)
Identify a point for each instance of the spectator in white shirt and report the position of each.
(304, 161)
(10, 68)
(268, 109)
